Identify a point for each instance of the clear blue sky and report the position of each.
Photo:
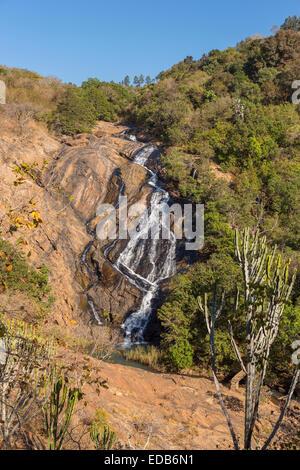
(74, 40)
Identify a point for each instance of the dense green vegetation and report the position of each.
(17, 275)
(232, 142)
(81, 107)
(241, 118)
(66, 108)
(232, 109)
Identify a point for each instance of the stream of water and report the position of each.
(147, 259)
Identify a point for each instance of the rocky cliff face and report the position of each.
(92, 175)
(67, 181)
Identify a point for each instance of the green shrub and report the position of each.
(74, 113)
(16, 274)
(102, 108)
(101, 417)
(180, 355)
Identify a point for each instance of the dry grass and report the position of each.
(147, 355)
(24, 86)
(98, 341)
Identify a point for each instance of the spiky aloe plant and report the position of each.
(103, 439)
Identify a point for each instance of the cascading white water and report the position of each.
(147, 259)
(95, 313)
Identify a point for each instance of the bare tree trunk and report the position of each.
(210, 323)
(217, 385)
(284, 409)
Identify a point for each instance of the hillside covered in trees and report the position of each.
(230, 138)
(231, 110)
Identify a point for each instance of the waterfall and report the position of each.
(147, 259)
(95, 313)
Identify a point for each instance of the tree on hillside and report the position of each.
(74, 113)
(127, 80)
(148, 80)
(91, 82)
(104, 110)
(291, 22)
(188, 60)
(266, 290)
(136, 81)
(117, 95)
(141, 79)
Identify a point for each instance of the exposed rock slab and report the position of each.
(72, 179)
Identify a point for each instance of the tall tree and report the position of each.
(291, 22)
(266, 290)
(188, 60)
(141, 79)
(103, 108)
(74, 113)
(126, 80)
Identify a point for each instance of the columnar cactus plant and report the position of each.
(103, 439)
(266, 291)
(61, 404)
